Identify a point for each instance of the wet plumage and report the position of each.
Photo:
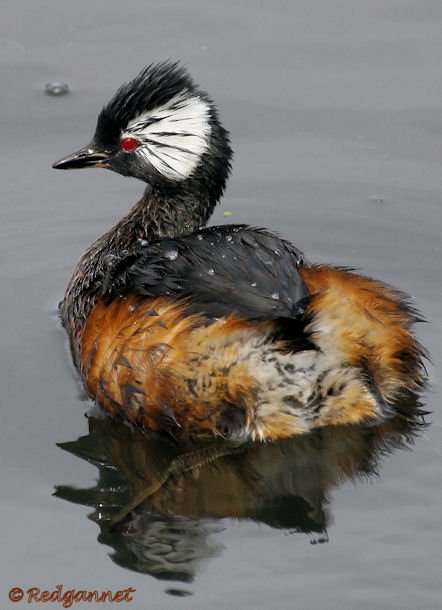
(220, 331)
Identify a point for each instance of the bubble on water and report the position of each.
(253, 284)
(377, 199)
(211, 272)
(275, 296)
(172, 255)
(57, 88)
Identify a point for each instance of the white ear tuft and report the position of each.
(174, 136)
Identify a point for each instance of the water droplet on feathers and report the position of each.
(275, 296)
(172, 255)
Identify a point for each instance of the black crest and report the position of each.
(154, 86)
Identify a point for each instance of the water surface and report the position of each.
(336, 121)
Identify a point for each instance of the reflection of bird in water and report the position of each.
(220, 332)
(286, 484)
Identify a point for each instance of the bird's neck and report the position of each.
(156, 215)
(161, 213)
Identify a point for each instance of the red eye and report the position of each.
(129, 144)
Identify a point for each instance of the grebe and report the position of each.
(222, 331)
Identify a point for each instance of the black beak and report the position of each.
(89, 156)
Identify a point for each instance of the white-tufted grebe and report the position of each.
(222, 331)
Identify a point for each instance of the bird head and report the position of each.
(163, 129)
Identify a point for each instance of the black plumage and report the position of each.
(230, 269)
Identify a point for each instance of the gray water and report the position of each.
(335, 111)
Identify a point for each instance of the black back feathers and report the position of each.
(221, 271)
